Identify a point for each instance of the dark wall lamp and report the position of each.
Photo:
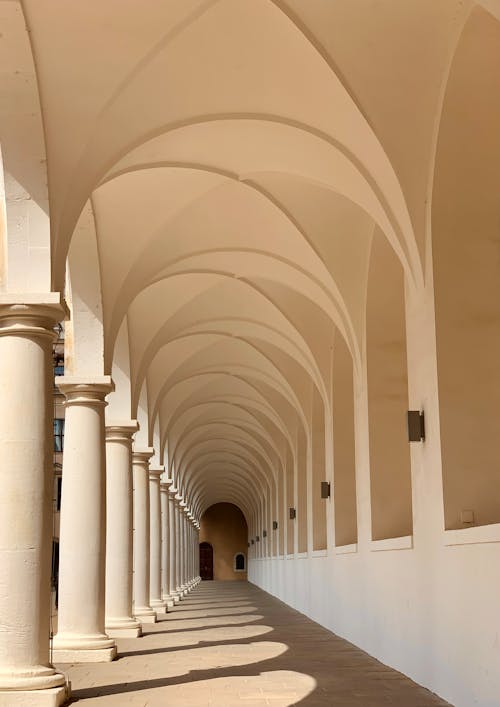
(325, 489)
(416, 426)
(293, 513)
(264, 533)
(257, 539)
(275, 525)
(252, 541)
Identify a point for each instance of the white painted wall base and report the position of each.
(433, 616)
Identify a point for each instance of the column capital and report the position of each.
(165, 485)
(81, 390)
(172, 491)
(155, 472)
(31, 313)
(121, 430)
(141, 455)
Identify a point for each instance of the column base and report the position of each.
(146, 618)
(52, 697)
(123, 628)
(97, 648)
(169, 601)
(84, 655)
(159, 606)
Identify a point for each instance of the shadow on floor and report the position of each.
(295, 662)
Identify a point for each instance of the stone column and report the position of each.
(198, 576)
(182, 514)
(190, 545)
(142, 609)
(81, 635)
(187, 552)
(155, 599)
(165, 549)
(172, 542)
(26, 443)
(193, 552)
(179, 555)
(119, 621)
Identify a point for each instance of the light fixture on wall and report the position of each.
(275, 525)
(252, 541)
(257, 538)
(264, 533)
(325, 489)
(293, 513)
(416, 426)
(248, 544)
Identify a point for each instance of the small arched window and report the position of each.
(239, 562)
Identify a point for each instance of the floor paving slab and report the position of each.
(230, 644)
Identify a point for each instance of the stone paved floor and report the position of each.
(230, 644)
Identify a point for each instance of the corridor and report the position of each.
(230, 644)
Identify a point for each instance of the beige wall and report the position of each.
(224, 527)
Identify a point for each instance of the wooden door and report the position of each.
(206, 561)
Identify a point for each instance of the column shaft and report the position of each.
(156, 601)
(142, 609)
(172, 541)
(26, 444)
(119, 531)
(165, 548)
(81, 634)
(179, 549)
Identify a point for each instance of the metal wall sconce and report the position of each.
(416, 426)
(252, 541)
(257, 539)
(293, 513)
(325, 489)
(248, 544)
(264, 533)
(275, 525)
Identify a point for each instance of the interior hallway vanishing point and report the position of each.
(229, 644)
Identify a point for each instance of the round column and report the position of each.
(190, 551)
(119, 621)
(179, 555)
(182, 517)
(26, 445)
(156, 601)
(198, 576)
(172, 544)
(141, 606)
(187, 544)
(81, 635)
(165, 549)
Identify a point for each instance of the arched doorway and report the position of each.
(206, 561)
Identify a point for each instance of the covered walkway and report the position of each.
(230, 644)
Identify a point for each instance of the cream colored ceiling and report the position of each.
(220, 168)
